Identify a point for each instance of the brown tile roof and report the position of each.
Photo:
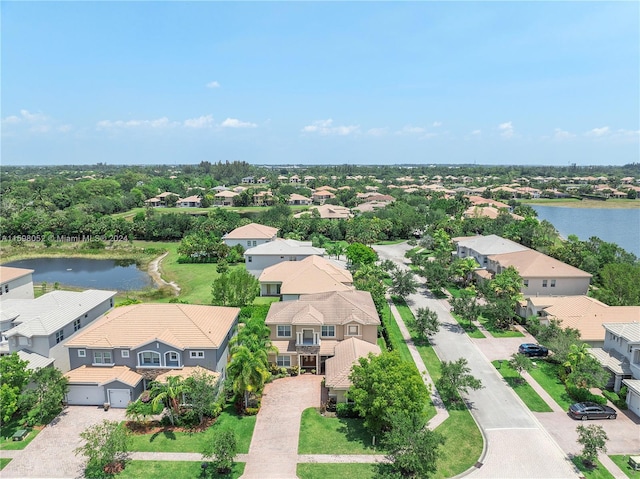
(533, 264)
(252, 231)
(337, 307)
(103, 375)
(488, 212)
(8, 273)
(328, 212)
(347, 352)
(313, 274)
(479, 200)
(186, 372)
(181, 325)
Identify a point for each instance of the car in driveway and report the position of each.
(591, 410)
(531, 349)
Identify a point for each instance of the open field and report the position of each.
(575, 203)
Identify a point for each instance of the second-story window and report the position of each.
(544, 283)
(59, 336)
(102, 357)
(76, 324)
(553, 283)
(328, 331)
(284, 331)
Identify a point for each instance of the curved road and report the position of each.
(517, 446)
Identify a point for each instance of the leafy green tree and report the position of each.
(403, 283)
(237, 288)
(593, 439)
(435, 274)
(202, 390)
(248, 372)
(412, 449)
(520, 363)
(426, 322)
(456, 379)
(558, 339)
(466, 306)
(222, 450)
(359, 254)
(384, 384)
(106, 447)
(367, 278)
(170, 394)
(463, 267)
(503, 294)
(13, 371)
(619, 284)
(42, 401)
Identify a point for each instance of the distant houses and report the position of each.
(250, 235)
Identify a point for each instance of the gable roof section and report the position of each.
(336, 307)
(187, 372)
(103, 375)
(36, 361)
(252, 231)
(183, 326)
(347, 352)
(629, 331)
(284, 247)
(533, 264)
(8, 273)
(314, 274)
(490, 244)
(52, 311)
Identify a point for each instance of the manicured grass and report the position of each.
(599, 472)
(430, 359)
(395, 336)
(528, 395)
(8, 429)
(469, 328)
(266, 299)
(499, 333)
(336, 471)
(463, 444)
(4, 461)
(332, 435)
(390, 242)
(382, 343)
(546, 374)
(622, 461)
(170, 441)
(176, 470)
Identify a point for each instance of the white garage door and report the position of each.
(86, 395)
(634, 402)
(119, 397)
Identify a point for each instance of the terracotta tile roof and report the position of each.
(328, 212)
(533, 264)
(288, 346)
(103, 375)
(347, 352)
(8, 273)
(479, 200)
(313, 274)
(186, 372)
(488, 212)
(252, 231)
(337, 307)
(181, 325)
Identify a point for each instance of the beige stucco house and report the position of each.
(250, 235)
(307, 331)
(338, 367)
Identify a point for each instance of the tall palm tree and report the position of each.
(248, 371)
(169, 394)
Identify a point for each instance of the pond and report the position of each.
(109, 274)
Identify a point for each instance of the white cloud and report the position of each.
(162, 122)
(598, 132)
(560, 134)
(235, 123)
(437, 124)
(476, 132)
(506, 129)
(377, 131)
(411, 130)
(205, 121)
(325, 127)
(26, 117)
(213, 84)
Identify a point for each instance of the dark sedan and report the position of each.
(591, 410)
(530, 349)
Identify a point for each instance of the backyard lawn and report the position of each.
(332, 435)
(336, 471)
(169, 441)
(547, 376)
(528, 395)
(622, 461)
(176, 470)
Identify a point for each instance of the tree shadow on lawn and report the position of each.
(354, 431)
(168, 433)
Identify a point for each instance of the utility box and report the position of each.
(634, 462)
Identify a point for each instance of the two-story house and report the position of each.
(224, 198)
(296, 200)
(115, 358)
(267, 254)
(314, 274)
(621, 356)
(481, 247)
(250, 235)
(192, 201)
(307, 331)
(16, 283)
(37, 329)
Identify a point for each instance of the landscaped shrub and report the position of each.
(251, 411)
(345, 410)
(582, 395)
(619, 399)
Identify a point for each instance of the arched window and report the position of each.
(172, 359)
(148, 359)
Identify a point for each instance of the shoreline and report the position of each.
(586, 204)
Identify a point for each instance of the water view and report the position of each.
(110, 274)
(620, 226)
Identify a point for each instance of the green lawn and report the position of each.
(463, 444)
(169, 441)
(336, 471)
(499, 333)
(395, 336)
(622, 461)
(175, 470)
(528, 395)
(547, 376)
(8, 429)
(331, 435)
(4, 461)
(469, 328)
(599, 472)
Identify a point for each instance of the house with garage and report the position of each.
(15, 283)
(542, 275)
(117, 357)
(39, 328)
(314, 274)
(338, 367)
(306, 332)
(267, 254)
(620, 355)
(250, 235)
(481, 247)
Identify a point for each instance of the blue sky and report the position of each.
(321, 83)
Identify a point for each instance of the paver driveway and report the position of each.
(50, 454)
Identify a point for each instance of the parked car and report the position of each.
(591, 410)
(530, 349)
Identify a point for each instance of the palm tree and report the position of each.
(248, 371)
(255, 336)
(169, 394)
(576, 355)
(464, 267)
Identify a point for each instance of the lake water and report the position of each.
(620, 226)
(109, 274)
